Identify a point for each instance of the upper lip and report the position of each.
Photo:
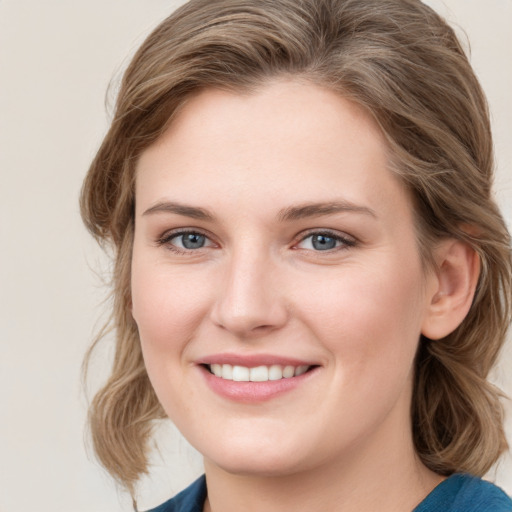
(253, 360)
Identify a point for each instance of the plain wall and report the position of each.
(56, 60)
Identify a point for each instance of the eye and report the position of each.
(325, 241)
(185, 241)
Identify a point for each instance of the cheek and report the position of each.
(165, 304)
(369, 317)
(168, 308)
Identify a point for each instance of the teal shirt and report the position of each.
(458, 493)
(465, 493)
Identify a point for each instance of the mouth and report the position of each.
(261, 373)
(256, 378)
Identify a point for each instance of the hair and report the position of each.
(402, 63)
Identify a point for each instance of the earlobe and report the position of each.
(454, 285)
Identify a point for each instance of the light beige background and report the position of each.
(56, 60)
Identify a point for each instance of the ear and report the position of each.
(452, 290)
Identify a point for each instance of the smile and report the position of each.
(256, 374)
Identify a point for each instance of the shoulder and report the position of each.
(483, 496)
(189, 500)
(465, 493)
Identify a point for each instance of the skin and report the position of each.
(259, 286)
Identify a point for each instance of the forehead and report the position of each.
(280, 110)
(287, 134)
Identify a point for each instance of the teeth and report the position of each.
(241, 373)
(227, 372)
(300, 370)
(288, 371)
(258, 373)
(275, 372)
(216, 369)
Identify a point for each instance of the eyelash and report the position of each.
(166, 238)
(345, 242)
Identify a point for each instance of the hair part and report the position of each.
(401, 62)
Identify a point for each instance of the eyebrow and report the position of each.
(180, 209)
(287, 214)
(319, 209)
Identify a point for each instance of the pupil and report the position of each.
(323, 243)
(193, 241)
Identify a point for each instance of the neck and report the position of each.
(380, 475)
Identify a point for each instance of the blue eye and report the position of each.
(186, 240)
(324, 242)
(192, 240)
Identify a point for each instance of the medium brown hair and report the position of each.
(401, 62)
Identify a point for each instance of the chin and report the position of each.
(246, 459)
(257, 466)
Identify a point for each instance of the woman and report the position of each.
(311, 277)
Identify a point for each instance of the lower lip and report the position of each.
(253, 392)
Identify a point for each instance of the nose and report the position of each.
(250, 302)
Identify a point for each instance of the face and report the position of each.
(276, 280)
